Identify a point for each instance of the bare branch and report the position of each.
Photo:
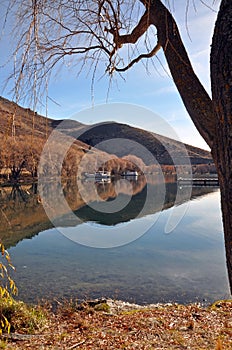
(139, 58)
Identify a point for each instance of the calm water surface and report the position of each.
(188, 264)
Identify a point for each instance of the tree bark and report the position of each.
(221, 78)
(194, 96)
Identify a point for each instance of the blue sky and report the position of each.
(155, 92)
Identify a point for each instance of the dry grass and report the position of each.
(122, 326)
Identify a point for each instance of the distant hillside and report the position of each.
(23, 134)
(26, 121)
(31, 131)
(161, 147)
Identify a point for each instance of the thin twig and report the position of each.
(76, 345)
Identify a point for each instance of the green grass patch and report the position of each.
(22, 317)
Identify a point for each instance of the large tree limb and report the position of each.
(194, 96)
(136, 33)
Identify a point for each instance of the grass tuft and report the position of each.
(22, 317)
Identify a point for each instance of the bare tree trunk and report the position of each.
(222, 155)
(221, 77)
(226, 205)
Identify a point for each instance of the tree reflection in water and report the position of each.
(22, 214)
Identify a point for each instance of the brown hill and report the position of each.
(23, 134)
(31, 130)
(165, 150)
(26, 121)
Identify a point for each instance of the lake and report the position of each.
(139, 257)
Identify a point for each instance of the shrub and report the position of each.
(7, 288)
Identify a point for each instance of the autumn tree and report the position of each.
(96, 32)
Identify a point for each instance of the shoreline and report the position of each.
(106, 324)
(29, 180)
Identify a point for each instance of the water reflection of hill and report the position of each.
(22, 214)
(136, 205)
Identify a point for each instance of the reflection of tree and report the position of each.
(136, 205)
(91, 190)
(18, 194)
(128, 187)
(22, 213)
